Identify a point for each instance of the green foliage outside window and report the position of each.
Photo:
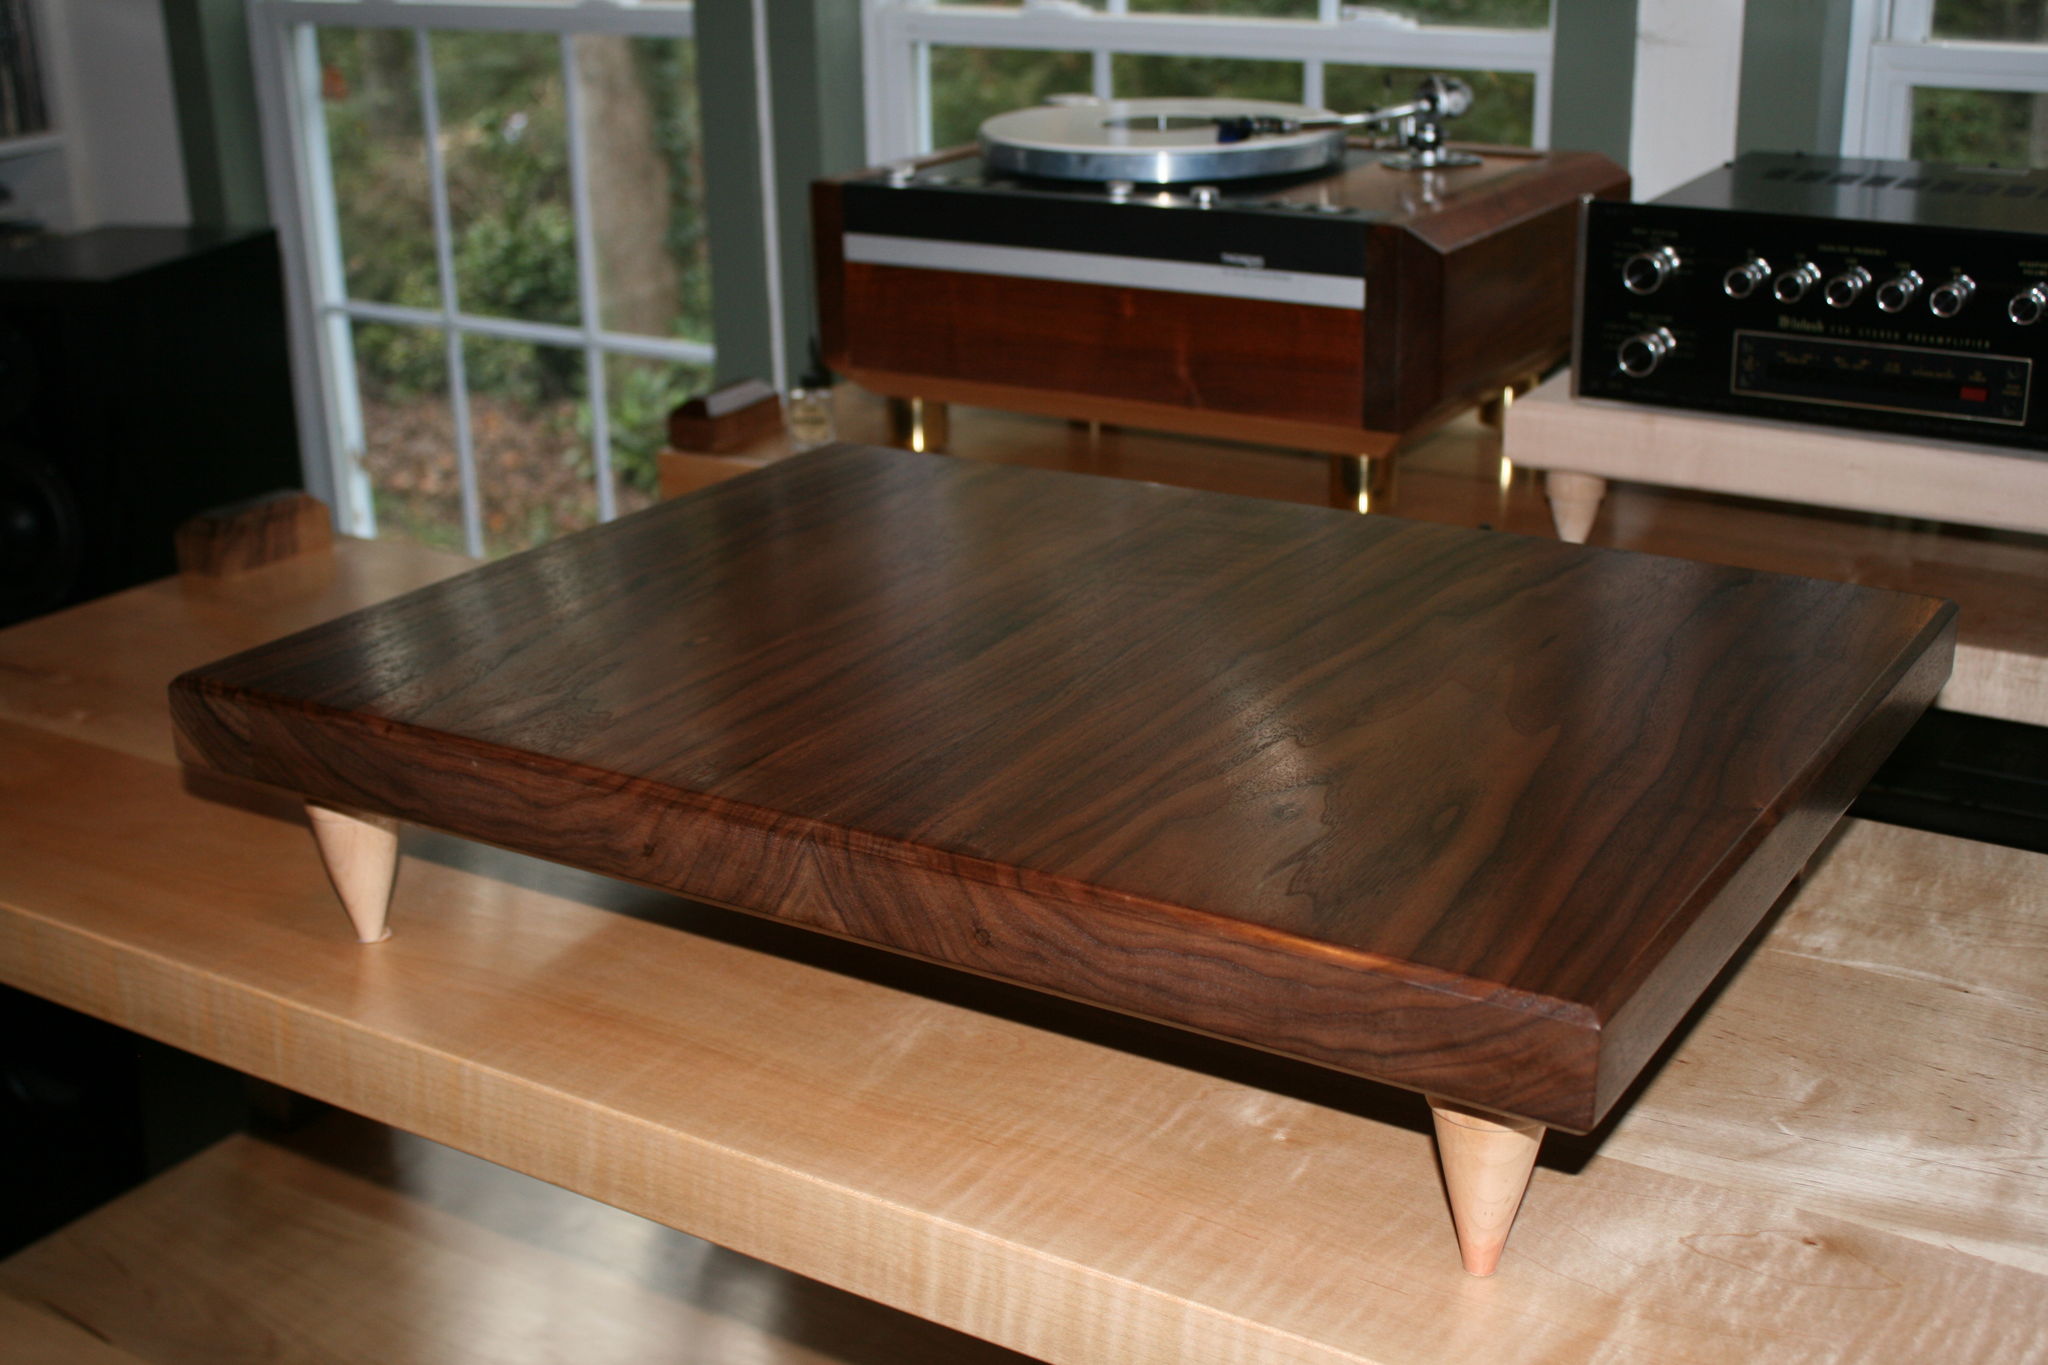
(1980, 127)
(1984, 127)
(972, 84)
(504, 147)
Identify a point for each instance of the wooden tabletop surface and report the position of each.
(1475, 814)
(1844, 1158)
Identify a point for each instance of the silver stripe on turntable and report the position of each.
(1086, 267)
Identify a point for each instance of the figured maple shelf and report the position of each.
(1069, 1184)
(365, 1246)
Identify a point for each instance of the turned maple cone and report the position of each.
(361, 854)
(1487, 1161)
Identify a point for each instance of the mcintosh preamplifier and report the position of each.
(1903, 296)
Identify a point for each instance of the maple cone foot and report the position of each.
(361, 854)
(1487, 1160)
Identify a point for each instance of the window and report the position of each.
(935, 71)
(1949, 80)
(495, 221)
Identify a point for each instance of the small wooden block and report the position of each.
(259, 531)
(726, 419)
(686, 471)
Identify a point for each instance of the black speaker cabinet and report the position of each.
(144, 377)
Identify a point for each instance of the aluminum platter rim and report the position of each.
(1153, 141)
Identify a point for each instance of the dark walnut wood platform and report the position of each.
(1469, 813)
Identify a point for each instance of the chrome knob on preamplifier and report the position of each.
(1898, 291)
(1948, 297)
(1847, 287)
(2028, 306)
(1791, 285)
(1742, 281)
(1646, 271)
(1644, 352)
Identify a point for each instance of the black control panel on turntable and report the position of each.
(1898, 296)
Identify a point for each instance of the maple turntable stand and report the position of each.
(1584, 442)
(1344, 312)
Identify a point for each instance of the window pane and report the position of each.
(1980, 127)
(2024, 21)
(409, 434)
(376, 143)
(972, 84)
(640, 393)
(643, 150)
(1265, 9)
(1466, 13)
(1503, 102)
(1138, 75)
(1473, 13)
(506, 154)
(527, 426)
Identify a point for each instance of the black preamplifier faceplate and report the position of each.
(1897, 296)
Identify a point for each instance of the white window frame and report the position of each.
(1893, 49)
(321, 313)
(899, 36)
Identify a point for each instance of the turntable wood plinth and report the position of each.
(1473, 814)
(1467, 279)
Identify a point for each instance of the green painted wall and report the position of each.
(1593, 75)
(732, 169)
(215, 91)
(815, 50)
(1795, 71)
(816, 118)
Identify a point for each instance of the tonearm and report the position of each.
(1419, 124)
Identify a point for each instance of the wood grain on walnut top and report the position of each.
(1464, 812)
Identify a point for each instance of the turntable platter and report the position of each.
(1155, 141)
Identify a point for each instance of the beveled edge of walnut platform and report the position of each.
(1696, 950)
(1449, 1033)
(1476, 1041)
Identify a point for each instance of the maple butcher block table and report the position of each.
(1469, 813)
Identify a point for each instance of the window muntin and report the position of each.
(918, 55)
(483, 256)
(1951, 80)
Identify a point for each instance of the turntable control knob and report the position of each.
(1847, 287)
(1203, 196)
(1119, 191)
(1646, 271)
(1898, 291)
(1645, 351)
(1742, 281)
(1948, 298)
(2028, 306)
(1791, 285)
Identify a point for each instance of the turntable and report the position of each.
(1238, 269)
